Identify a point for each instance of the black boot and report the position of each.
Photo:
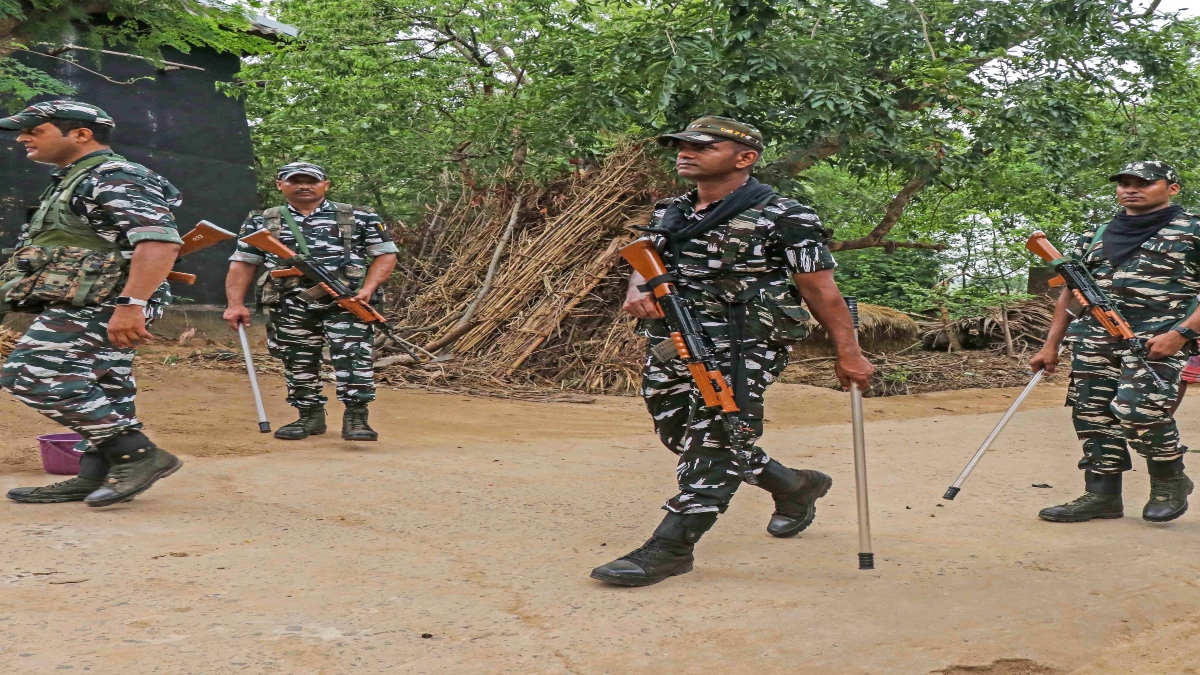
(136, 465)
(311, 423)
(1102, 500)
(666, 554)
(354, 424)
(93, 467)
(796, 493)
(1169, 490)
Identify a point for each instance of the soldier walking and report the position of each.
(731, 244)
(93, 260)
(352, 244)
(1147, 259)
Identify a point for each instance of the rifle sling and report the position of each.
(291, 223)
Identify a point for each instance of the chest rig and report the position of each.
(275, 218)
(61, 259)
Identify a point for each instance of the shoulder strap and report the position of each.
(56, 205)
(291, 223)
(346, 224)
(1097, 239)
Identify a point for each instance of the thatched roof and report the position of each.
(876, 322)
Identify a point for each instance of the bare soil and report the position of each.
(461, 543)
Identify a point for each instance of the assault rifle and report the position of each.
(1092, 298)
(202, 236)
(328, 286)
(687, 338)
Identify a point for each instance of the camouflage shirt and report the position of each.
(124, 202)
(1152, 289)
(323, 237)
(758, 248)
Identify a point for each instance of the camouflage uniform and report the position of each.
(1116, 403)
(64, 366)
(298, 329)
(745, 263)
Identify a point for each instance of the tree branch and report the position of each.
(805, 159)
(891, 216)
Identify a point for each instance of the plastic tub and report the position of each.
(59, 454)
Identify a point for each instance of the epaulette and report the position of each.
(129, 167)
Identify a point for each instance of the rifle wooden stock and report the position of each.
(286, 272)
(645, 260)
(202, 236)
(1040, 246)
(182, 277)
(263, 240)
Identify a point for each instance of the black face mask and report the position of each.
(1126, 233)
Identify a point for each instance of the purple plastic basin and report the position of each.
(59, 454)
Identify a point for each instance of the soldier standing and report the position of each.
(352, 243)
(93, 261)
(1147, 259)
(731, 244)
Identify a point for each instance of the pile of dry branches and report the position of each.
(504, 276)
(8, 339)
(1028, 322)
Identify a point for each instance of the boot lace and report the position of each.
(1085, 500)
(70, 482)
(1161, 490)
(357, 421)
(646, 553)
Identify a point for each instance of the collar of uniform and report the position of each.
(325, 206)
(687, 204)
(59, 172)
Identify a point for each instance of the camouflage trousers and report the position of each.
(1117, 406)
(296, 333)
(707, 472)
(65, 368)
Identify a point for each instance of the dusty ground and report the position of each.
(461, 543)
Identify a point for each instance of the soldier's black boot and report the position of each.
(1102, 500)
(354, 425)
(666, 554)
(93, 467)
(1169, 490)
(136, 465)
(796, 493)
(311, 423)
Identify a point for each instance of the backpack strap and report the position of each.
(346, 226)
(1097, 239)
(273, 220)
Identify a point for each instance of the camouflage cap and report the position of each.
(300, 168)
(714, 129)
(1148, 171)
(40, 113)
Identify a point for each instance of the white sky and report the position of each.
(1188, 7)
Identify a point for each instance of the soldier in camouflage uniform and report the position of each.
(732, 245)
(93, 261)
(352, 243)
(1147, 259)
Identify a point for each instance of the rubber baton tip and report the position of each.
(951, 493)
(264, 427)
(866, 561)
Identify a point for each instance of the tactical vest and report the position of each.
(61, 260)
(271, 290)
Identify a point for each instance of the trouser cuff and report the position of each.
(1102, 483)
(1165, 469)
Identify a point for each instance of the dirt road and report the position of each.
(461, 544)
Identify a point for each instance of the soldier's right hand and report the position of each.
(642, 305)
(1046, 359)
(235, 315)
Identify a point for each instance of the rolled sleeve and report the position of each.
(139, 234)
(245, 252)
(802, 242)
(375, 238)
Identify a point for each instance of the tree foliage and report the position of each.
(143, 27)
(951, 126)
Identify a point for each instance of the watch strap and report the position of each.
(126, 300)
(1186, 332)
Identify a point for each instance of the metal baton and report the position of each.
(263, 425)
(866, 558)
(953, 490)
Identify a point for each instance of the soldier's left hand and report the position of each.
(1167, 344)
(127, 327)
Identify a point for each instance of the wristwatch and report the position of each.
(1186, 332)
(126, 300)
